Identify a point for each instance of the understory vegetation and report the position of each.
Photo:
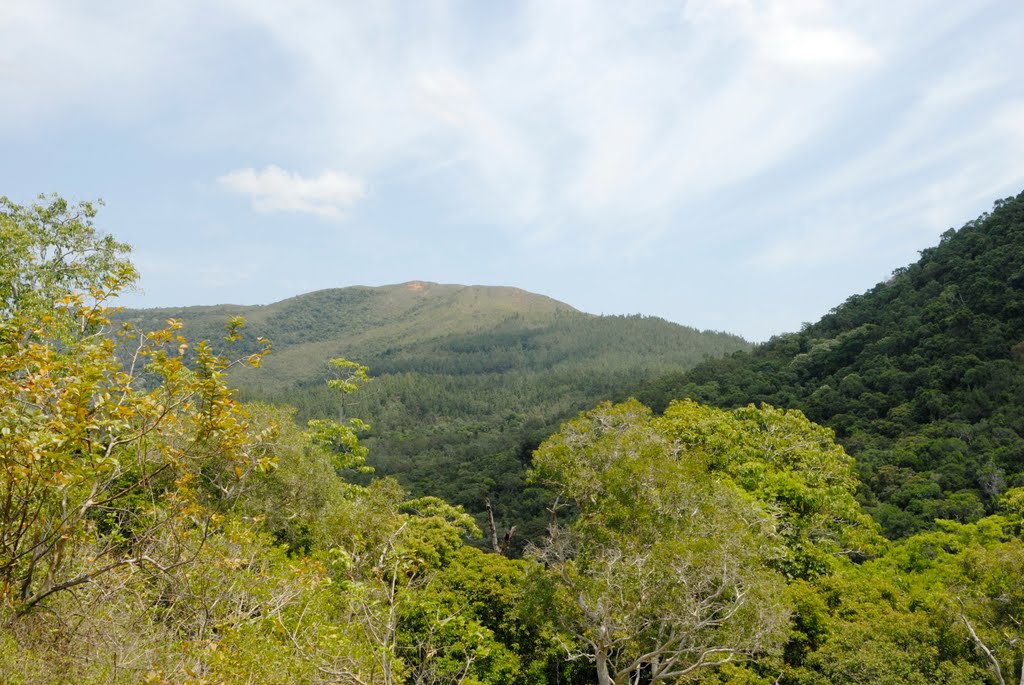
(155, 528)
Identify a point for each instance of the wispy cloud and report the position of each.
(331, 194)
(595, 125)
(564, 122)
(802, 35)
(568, 119)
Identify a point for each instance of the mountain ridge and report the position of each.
(371, 318)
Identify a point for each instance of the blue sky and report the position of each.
(728, 164)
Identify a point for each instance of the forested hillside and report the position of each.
(921, 377)
(155, 529)
(467, 380)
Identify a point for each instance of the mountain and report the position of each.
(467, 380)
(361, 322)
(921, 377)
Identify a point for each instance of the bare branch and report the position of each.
(981, 645)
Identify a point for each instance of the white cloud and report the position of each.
(805, 36)
(818, 48)
(331, 194)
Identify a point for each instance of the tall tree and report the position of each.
(663, 570)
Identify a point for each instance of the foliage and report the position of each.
(91, 459)
(154, 529)
(467, 381)
(51, 248)
(662, 572)
(922, 377)
(793, 467)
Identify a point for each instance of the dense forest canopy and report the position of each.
(156, 529)
(921, 377)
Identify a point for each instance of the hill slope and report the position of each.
(922, 377)
(362, 322)
(468, 379)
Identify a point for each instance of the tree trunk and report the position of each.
(603, 677)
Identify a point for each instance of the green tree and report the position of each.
(922, 372)
(96, 459)
(51, 249)
(793, 467)
(662, 572)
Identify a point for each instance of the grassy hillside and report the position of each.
(922, 377)
(467, 379)
(362, 322)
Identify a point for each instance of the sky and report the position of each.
(733, 165)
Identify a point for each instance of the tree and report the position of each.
(985, 579)
(97, 459)
(663, 571)
(154, 529)
(793, 467)
(52, 249)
